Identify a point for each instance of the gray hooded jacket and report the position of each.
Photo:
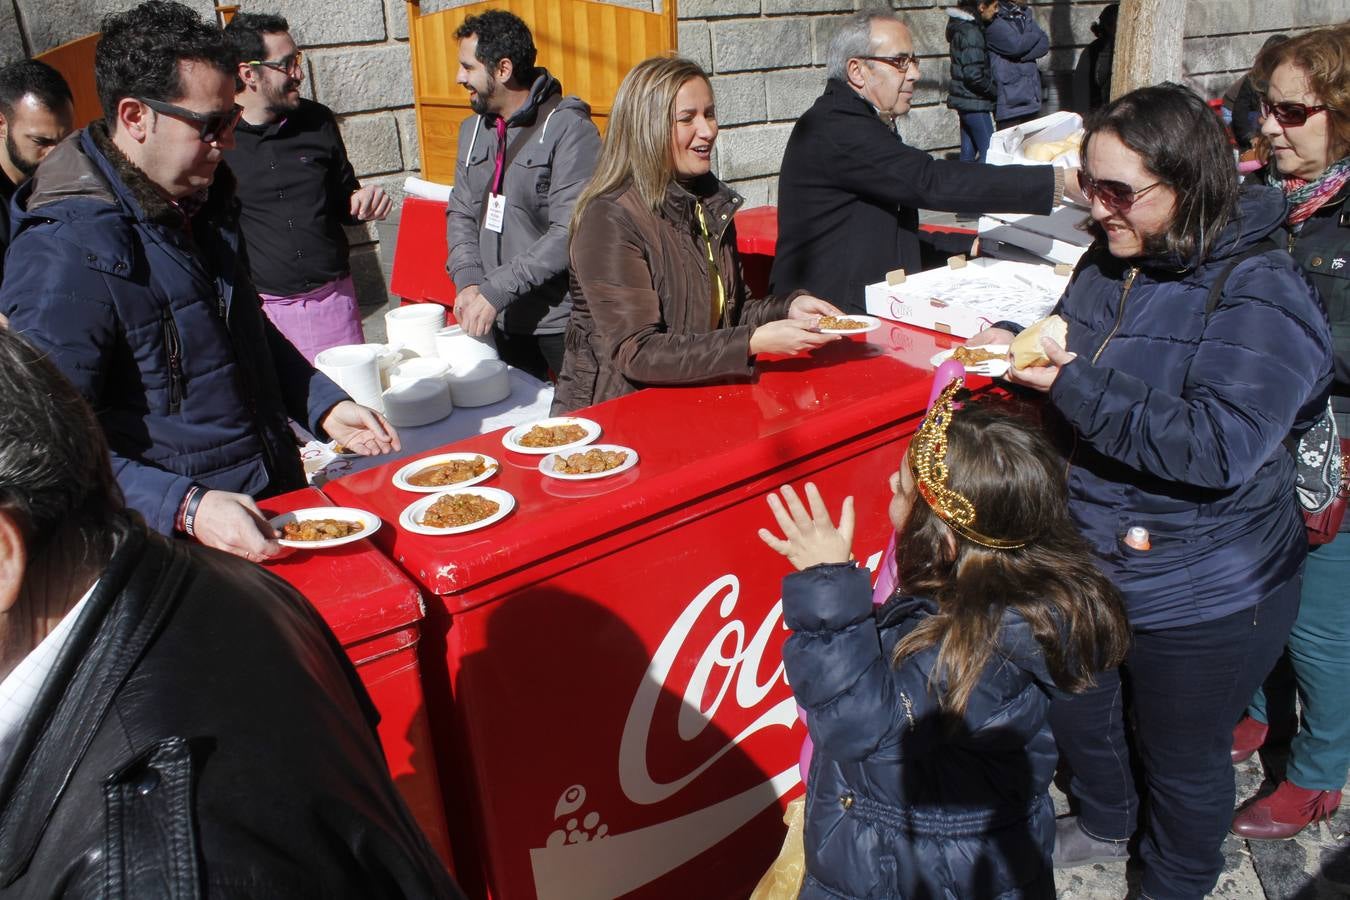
(522, 271)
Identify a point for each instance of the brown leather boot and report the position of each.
(1284, 813)
(1248, 737)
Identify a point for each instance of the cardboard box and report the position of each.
(965, 301)
(1006, 146)
(1056, 237)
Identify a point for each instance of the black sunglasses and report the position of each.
(1289, 115)
(1117, 196)
(901, 61)
(286, 64)
(214, 126)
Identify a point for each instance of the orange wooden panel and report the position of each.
(588, 45)
(75, 61)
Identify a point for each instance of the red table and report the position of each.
(602, 667)
(376, 614)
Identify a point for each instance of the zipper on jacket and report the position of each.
(1120, 313)
(174, 348)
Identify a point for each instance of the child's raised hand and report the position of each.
(809, 539)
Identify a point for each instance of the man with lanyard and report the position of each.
(523, 161)
(297, 189)
(36, 112)
(850, 189)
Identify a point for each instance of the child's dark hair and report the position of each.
(1016, 482)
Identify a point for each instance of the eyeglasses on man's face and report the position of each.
(286, 64)
(901, 61)
(1289, 115)
(213, 126)
(1117, 196)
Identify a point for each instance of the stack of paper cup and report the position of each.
(356, 370)
(461, 351)
(414, 327)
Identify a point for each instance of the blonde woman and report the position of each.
(657, 292)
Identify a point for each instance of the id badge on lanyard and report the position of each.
(496, 212)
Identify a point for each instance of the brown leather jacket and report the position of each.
(642, 297)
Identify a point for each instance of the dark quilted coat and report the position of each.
(1178, 419)
(972, 87)
(160, 328)
(903, 802)
(1015, 42)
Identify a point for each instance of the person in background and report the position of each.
(850, 188)
(1092, 74)
(174, 722)
(1304, 86)
(297, 191)
(36, 113)
(933, 754)
(523, 160)
(657, 292)
(972, 90)
(1015, 42)
(1242, 102)
(126, 268)
(1174, 418)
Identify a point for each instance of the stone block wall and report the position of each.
(766, 57)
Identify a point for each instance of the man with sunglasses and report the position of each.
(297, 189)
(127, 271)
(850, 189)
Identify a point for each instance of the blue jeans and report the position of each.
(1185, 688)
(1316, 667)
(976, 130)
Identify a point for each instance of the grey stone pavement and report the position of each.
(1315, 865)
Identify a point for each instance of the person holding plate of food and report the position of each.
(658, 297)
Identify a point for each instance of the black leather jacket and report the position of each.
(203, 734)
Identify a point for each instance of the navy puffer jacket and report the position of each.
(972, 87)
(1178, 419)
(902, 801)
(1015, 42)
(158, 325)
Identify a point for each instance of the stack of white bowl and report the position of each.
(477, 377)
(418, 393)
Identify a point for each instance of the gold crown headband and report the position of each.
(928, 463)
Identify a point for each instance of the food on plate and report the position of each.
(552, 435)
(839, 323)
(340, 449)
(971, 355)
(589, 462)
(454, 510)
(320, 529)
(450, 472)
(1026, 347)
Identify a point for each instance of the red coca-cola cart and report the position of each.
(602, 667)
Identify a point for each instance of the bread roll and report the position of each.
(1026, 347)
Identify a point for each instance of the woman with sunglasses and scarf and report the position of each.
(1305, 136)
(1174, 419)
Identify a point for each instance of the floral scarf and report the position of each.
(1307, 197)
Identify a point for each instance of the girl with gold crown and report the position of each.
(933, 753)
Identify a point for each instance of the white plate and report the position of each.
(402, 475)
(411, 517)
(511, 440)
(997, 368)
(546, 464)
(873, 323)
(342, 513)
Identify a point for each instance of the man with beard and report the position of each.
(36, 112)
(523, 161)
(298, 190)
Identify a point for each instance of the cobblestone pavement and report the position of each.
(1315, 865)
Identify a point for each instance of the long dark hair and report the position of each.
(1005, 466)
(1183, 145)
